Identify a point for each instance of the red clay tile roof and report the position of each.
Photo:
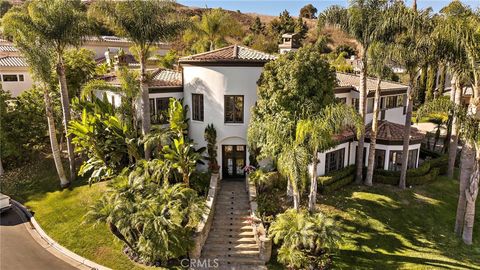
(233, 53)
(353, 80)
(387, 131)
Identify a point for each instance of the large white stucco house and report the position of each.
(220, 88)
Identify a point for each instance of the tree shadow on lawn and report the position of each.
(366, 260)
(387, 219)
(35, 180)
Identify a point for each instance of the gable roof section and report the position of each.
(346, 80)
(13, 61)
(233, 54)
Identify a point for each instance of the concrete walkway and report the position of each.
(20, 251)
(231, 242)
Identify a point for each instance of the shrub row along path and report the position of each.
(230, 240)
(18, 249)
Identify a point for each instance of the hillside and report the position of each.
(335, 36)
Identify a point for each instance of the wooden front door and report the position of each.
(233, 161)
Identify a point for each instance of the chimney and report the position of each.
(290, 43)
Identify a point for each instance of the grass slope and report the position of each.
(61, 212)
(387, 228)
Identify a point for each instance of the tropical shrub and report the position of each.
(306, 240)
(200, 182)
(154, 219)
(23, 131)
(107, 141)
(211, 139)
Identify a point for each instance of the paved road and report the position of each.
(18, 249)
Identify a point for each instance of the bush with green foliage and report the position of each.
(108, 142)
(153, 218)
(336, 180)
(427, 172)
(200, 182)
(210, 136)
(23, 132)
(306, 240)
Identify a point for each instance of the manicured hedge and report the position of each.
(427, 172)
(336, 180)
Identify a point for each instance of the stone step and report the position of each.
(233, 246)
(231, 212)
(224, 240)
(221, 252)
(233, 228)
(231, 235)
(230, 218)
(220, 221)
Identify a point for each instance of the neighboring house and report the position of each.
(220, 88)
(14, 75)
(16, 78)
(101, 44)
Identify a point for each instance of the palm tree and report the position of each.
(365, 25)
(39, 55)
(303, 235)
(454, 55)
(318, 135)
(291, 163)
(209, 31)
(464, 33)
(145, 23)
(379, 59)
(468, 125)
(61, 23)
(411, 50)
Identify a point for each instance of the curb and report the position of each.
(64, 251)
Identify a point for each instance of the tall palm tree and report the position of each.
(411, 50)
(145, 23)
(464, 33)
(365, 25)
(61, 23)
(470, 130)
(209, 31)
(291, 163)
(454, 55)
(379, 59)
(318, 135)
(39, 55)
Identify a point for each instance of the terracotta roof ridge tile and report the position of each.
(206, 53)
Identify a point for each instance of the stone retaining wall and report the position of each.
(203, 227)
(264, 243)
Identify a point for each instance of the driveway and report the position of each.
(18, 249)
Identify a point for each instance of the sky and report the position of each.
(271, 7)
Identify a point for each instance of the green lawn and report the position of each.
(382, 227)
(61, 212)
(387, 228)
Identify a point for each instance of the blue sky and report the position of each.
(271, 7)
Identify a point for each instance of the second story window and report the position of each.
(197, 107)
(234, 109)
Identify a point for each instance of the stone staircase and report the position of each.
(231, 240)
